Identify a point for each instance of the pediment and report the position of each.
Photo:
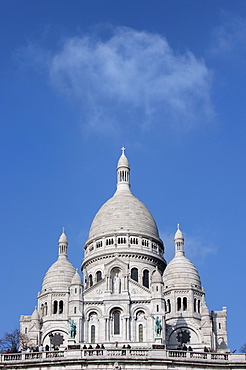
(136, 288)
(97, 289)
(116, 262)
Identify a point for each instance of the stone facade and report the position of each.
(130, 295)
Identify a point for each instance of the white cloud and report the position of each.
(132, 79)
(229, 37)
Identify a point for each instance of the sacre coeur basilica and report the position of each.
(133, 310)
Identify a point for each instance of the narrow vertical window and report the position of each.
(179, 304)
(140, 332)
(98, 276)
(74, 310)
(157, 308)
(93, 333)
(146, 278)
(61, 307)
(90, 281)
(194, 304)
(184, 303)
(198, 305)
(55, 306)
(116, 318)
(169, 306)
(134, 273)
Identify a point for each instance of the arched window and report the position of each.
(61, 307)
(184, 303)
(134, 273)
(146, 278)
(42, 310)
(179, 304)
(140, 332)
(116, 319)
(74, 310)
(93, 333)
(198, 305)
(169, 306)
(90, 280)
(165, 305)
(98, 276)
(55, 307)
(45, 309)
(194, 304)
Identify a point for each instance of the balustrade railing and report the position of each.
(121, 352)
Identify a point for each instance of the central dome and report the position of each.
(123, 213)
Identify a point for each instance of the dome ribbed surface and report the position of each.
(123, 212)
(59, 275)
(180, 271)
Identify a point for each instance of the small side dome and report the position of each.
(156, 277)
(181, 272)
(59, 276)
(76, 280)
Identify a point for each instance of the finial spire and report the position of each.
(179, 241)
(62, 244)
(123, 172)
(123, 150)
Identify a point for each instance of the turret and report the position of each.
(123, 172)
(179, 242)
(63, 244)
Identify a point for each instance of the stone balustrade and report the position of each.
(126, 353)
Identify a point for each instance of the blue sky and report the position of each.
(79, 80)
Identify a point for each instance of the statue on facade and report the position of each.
(158, 326)
(116, 283)
(72, 328)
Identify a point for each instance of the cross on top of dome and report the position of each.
(123, 150)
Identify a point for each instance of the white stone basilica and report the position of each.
(134, 311)
(129, 294)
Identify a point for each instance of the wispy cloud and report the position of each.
(132, 79)
(195, 249)
(229, 38)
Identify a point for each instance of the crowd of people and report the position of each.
(183, 347)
